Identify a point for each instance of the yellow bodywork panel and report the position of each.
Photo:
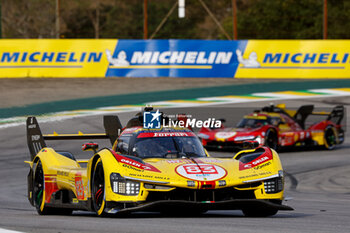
(196, 173)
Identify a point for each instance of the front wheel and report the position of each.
(98, 189)
(259, 212)
(271, 139)
(39, 191)
(39, 194)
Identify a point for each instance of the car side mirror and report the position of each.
(90, 146)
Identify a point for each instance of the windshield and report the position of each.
(252, 123)
(168, 147)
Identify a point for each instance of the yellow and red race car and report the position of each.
(277, 127)
(165, 170)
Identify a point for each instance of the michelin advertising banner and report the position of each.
(175, 58)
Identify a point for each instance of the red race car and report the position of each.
(276, 127)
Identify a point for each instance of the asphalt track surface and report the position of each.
(318, 181)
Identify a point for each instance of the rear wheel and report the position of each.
(330, 139)
(98, 189)
(271, 139)
(340, 136)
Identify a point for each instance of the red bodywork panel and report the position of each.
(289, 131)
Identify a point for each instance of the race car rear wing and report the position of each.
(300, 115)
(36, 140)
(336, 116)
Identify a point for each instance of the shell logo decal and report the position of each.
(201, 172)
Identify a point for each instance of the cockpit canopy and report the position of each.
(258, 121)
(160, 144)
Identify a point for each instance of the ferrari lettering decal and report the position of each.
(166, 134)
(208, 160)
(176, 161)
(173, 134)
(201, 172)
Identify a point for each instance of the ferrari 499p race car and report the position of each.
(163, 170)
(276, 127)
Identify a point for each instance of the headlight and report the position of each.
(274, 185)
(242, 138)
(204, 136)
(123, 186)
(258, 139)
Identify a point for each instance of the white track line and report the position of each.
(2, 230)
(60, 116)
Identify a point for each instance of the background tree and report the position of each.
(257, 19)
(28, 19)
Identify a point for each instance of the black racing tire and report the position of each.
(39, 191)
(271, 139)
(330, 138)
(259, 212)
(98, 189)
(341, 135)
(39, 194)
(179, 212)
